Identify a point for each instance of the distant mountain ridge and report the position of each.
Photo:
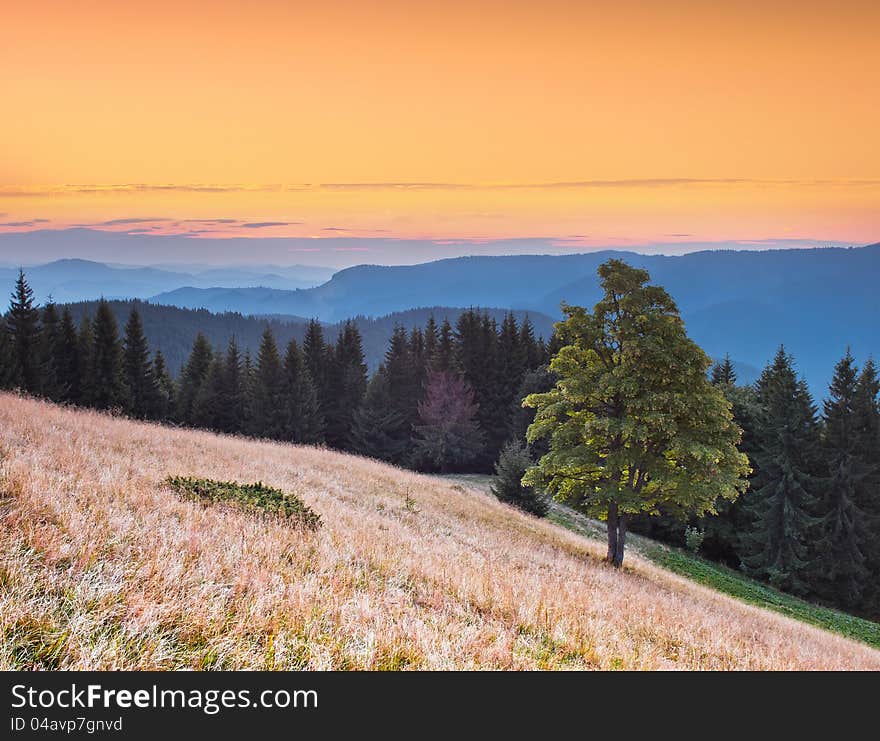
(173, 330)
(814, 301)
(82, 280)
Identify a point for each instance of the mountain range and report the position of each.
(817, 302)
(83, 280)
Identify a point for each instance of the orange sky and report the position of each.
(600, 122)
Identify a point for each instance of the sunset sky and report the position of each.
(632, 122)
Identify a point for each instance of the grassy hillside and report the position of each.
(103, 566)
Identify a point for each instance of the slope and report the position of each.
(105, 568)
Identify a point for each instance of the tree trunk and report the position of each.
(612, 532)
(621, 541)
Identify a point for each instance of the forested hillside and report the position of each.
(173, 330)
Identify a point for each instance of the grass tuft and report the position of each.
(252, 497)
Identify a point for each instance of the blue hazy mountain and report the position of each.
(83, 280)
(815, 301)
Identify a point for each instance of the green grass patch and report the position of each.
(731, 582)
(250, 497)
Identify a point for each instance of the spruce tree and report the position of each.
(107, 382)
(267, 407)
(866, 422)
(67, 358)
(52, 384)
(208, 402)
(840, 570)
(784, 500)
(303, 421)
(231, 413)
(347, 386)
(143, 394)
(510, 468)
(316, 355)
(723, 373)
(85, 350)
(431, 339)
(192, 377)
(165, 386)
(532, 352)
(379, 430)
(5, 356)
(443, 358)
(23, 326)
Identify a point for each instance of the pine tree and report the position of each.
(840, 571)
(303, 423)
(318, 359)
(165, 402)
(347, 386)
(67, 359)
(379, 430)
(512, 465)
(513, 361)
(267, 405)
(107, 384)
(783, 503)
(866, 423)
(23, 326)
(208, 402)
(5, 356)
(192, 377)
(723, 374)
(403, 371)
(143, 394)
(533, 353)
(52, 384)
(443, 358)
(85, 344)
(231, 413)
(431, 340)
(447, 437)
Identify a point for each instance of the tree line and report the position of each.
(445, 398)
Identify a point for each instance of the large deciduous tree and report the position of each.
(633, 422)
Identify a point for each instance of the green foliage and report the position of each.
(193, 376)
(143, 393)
(379, 429)
(303, 420)
(251, 497)
(23, 327)
(783, 505)
(106, 384)
(633, 422)
(512, 465)
(693, 538)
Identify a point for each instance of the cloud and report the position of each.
(30, 222)
(263, 224)
(122, 222)
(678, 235)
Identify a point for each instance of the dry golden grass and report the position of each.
(102, 568)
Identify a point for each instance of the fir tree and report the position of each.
(443, 358)
(52, 383)
(512, 465)
(85, 344)
(303, 422)
(723, 373)
(107, 384)
(447, 437)
(67, 358)
(142, 390)
(841, 573)
(533, 353)
(431, 340)
(379, 430)
(267, 405)
(193, 376)
(5, 356)
(165, 401)
(783, 502)
(348, 384)
(23, 326)
(208, 403)
(231, 412)
(317, 357)
(866, 423)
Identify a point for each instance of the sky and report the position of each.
(579, 123)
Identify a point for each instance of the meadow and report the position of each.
(103, 566)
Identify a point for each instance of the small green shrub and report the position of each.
(509, 470)
(252, 497)
(693, 538)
